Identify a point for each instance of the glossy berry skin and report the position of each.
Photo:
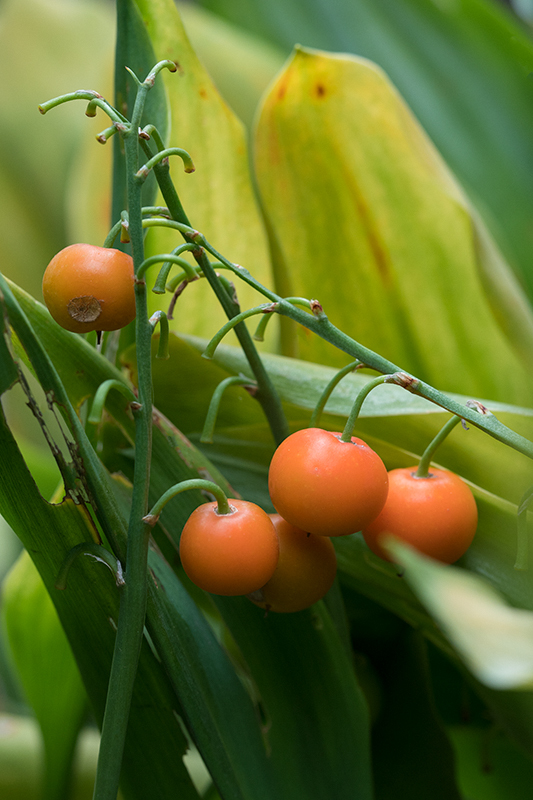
(436, 515)
(305, 572)
(229, 554)
(325, 486)
(88, 288)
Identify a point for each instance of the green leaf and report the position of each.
(494, 639)
(8, 370)
(462, 67)
(47, 48)
(134, 51)
(316, 715)
(391, 247)
(46, 668)
(218, 197)
(488, 766)
(88, 610)
(216, 707)
(421, 760)
(223, 49)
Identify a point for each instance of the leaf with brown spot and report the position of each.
(366, 217)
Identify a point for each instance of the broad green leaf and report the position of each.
(216, 707)
(421, 760)
(462, 67)
(8, 370)
(46, 668)
(224, 49)
(155, 740)
(47, 47)
(494, 639)
(316, 715)
(390, 243)
(489, 772)
(218, 198)
(171, 616)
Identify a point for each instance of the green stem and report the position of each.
(326, 394)
(101, 396)
(214, 405)
(212, 345)
(223, 506)
(94, 551)
(356, 408)
(170, 259)
(161, 155)
(133, 597)
(427, 456)
(266, 395)
(113, 233)
(94, 99)
(161, 317)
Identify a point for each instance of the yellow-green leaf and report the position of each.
(218, 196)
(367, 218)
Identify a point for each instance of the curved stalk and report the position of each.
(326, 394)
(223, 506)
(429, 452)
(356, 408)
(214, 405)
(266, 393)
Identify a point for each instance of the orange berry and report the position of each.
(305, 572)
(229, 554)
(89, 288)
(437, 515)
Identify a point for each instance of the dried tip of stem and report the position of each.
(190, 169)
(173, 67)
(404, 380)
(151, 519)
(270, 309)
(135, 405)
(316, 308)
(143, 135)
(42, 110)
(479, 407)
(142, 173)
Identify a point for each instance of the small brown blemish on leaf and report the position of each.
(320, 90)
(203, 94)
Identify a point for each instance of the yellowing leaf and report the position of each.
(367, 218)
(218, 197)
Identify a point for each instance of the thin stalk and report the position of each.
(328, 391)
(223, 506)
(266, 395)
(356, 408)
(133, 597)
(214, 405)
(429, 452)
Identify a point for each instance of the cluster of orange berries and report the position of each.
(320, 485)
(323, 487)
